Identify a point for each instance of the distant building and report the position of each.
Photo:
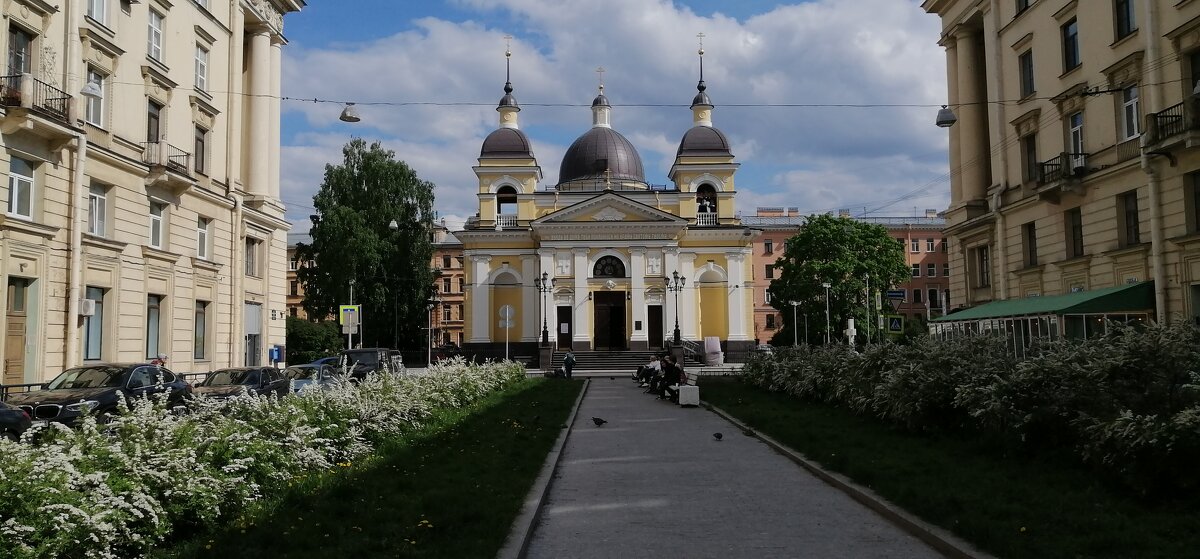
(295, 289)
(451, 287)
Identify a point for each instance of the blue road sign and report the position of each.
(895, 294)
(895, 324)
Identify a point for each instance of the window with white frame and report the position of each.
(931, 270)
(202, 225)
(770, 322)
(916, 270)
(154, 36)
(1075, 138)
(945, 270)
(97, 210)
(916, 245)
(933, 298)
(94, 114)
(767, 297)
(200, 150)
(1125, 19)
(20, 188)
(1130, 109)
(93, 325)
(98, 10)
(930, 245)
(293, 265)
(201, 82)
(252, 248)
(200, 331)
(157, 225)
(153, 325)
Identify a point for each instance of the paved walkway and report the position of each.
(653, 482)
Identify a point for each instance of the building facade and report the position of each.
(624, 260)
(295, 289)
(447, 320)
(1074, 156)
(142, 217)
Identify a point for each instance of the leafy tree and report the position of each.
(356, 247)
(841, 252)
(308, 341)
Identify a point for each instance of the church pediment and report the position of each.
(609, 208)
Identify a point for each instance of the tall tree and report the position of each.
(356, 247)
(841, 252)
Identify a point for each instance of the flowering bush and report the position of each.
(1128, 402)
(115, 490)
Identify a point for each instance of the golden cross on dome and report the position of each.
(600, 72)
(508, 45)
(701, 37)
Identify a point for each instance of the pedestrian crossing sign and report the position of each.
(895, 324)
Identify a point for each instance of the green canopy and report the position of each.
(1137, 297)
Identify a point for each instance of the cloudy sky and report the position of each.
(428, 75)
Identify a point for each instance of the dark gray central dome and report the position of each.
(702, 141)
(505, 143)
(601, 149)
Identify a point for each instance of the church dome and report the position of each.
(704, 141)
(599, 149)
(506, 143)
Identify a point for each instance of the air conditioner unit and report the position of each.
(87, 307)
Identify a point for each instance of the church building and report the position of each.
(605, 260)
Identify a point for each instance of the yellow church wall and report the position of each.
(714, 315)
(506, 295)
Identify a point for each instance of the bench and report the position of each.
(689, 393)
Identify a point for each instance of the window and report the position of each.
(1129, 213)
(930, 245)
(916, 296)
(201, 81)
(156, 224)
(983, 266)
(202, 238)
(1030, 165)
(293, 312)
(900, 242)
(1075, 139)
(445, 285)
(945, 270)
(200, 150)
(460, 313)
(94, 114)
(1074, 224)
(154, 36)
(252, 268)
(445, 312)
(1070, 44)
(945, 298)
(1025, 67)
(770, 322)
(200, 335)
(915, 245)
(769, 272)
(768, 246)
(1022, 5)
(293, 265)
(945, 246)
(294, 289)
(766, 297)
(93, 326)
(609, 267)
(931, 270)
(1125, 20)
(98, 10)
(1130, 109)
(153, 121)
(153, 322)
(97, 202)
(20, 188)
(20, 51)
(202, 3)
(1029, 237)
(446, 261)
(916, 270)
(462, 285)
(933, 298)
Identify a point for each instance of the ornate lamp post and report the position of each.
(796, 326)
(675, 284)
(544, 285)
(827, 326)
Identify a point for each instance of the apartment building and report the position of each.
(295, 289)
(447, 321)
(1074, 159)
(925, 296)
(142, 208)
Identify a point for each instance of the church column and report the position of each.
(689, 299)
(974, 157)
(737, 291)
(581, 337)
(259, 175)
(670, 265)
(481, 300)
(530, 299)
(276, 93)
(637, 260)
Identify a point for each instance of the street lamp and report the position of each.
(827, 326)
(544, 286)
(867, 277)
(675, 284)
(795, 325)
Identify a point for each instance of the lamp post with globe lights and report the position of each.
(675, 284)
(827, 326)
(544, 285)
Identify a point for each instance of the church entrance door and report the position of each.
(564, 328)
(654, 326)
(610, 320)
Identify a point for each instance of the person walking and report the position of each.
(569, 363)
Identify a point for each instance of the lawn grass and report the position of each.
(451, 490)
(1024, 506)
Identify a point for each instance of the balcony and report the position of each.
(1175, 125)
(506, 221)
(37, 106)
(706, 219)
(169, 165)
(1061, 174)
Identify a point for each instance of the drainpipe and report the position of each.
(1154, 182)
(1001, 258)
(76, 214)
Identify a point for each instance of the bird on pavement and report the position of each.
(717, 436)
(598, 421)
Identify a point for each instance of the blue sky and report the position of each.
(876, 160)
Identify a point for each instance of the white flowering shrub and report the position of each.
(117, 490)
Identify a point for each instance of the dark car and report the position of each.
(235, 381)
(445, 351)
(364, 361)
(13, 421)
(97, 389)
(310, 375)
(332, 361)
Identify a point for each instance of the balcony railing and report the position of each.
(23, 90)
(506, 221)
(706, 219)
(1174, 120)
(166, 155)
(600, 185)
(1066, 165)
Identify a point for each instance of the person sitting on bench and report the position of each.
(646, 372)
(670, 377)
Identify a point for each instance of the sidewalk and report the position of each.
(653, 482)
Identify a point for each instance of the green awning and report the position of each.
(1137, 297)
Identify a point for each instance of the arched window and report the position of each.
(706, 199)
(506, 200)
(609, 267)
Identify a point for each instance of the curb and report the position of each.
(936, 537)
(517, 543)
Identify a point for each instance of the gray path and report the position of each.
(654, 483)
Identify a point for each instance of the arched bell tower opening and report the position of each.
(506, 206)
(706, 199)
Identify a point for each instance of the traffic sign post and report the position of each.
(506, 322)
(350, 317)
(895, 324)
(895, 294)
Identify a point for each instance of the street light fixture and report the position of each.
(795, 325)
(544, 285)
(945, 118)
(675, 284)
(827, 326)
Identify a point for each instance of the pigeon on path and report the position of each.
(718, 436)
(598, 421)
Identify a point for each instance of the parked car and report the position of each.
(96, 389)
(316, 377)
(332, 361)
(445, 351)
(235, 381)
(765, 348)
(13, 421)
(364, 361)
